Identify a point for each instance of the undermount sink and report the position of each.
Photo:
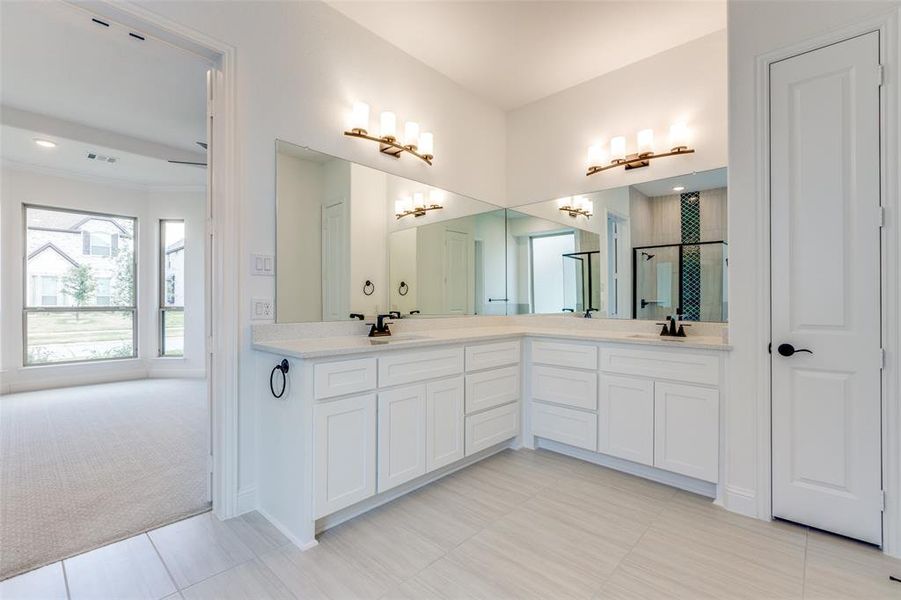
(401, 337)
(656, 336)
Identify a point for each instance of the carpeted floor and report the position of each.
(81, 467)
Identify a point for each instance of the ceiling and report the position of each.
(512, 53)
(58, 63)
(70, 157)
(692, 182)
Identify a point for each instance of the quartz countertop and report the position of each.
(320, 347)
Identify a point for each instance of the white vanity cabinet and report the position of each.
(344, 451)
(444, 423)
(401, 435)
(655, 407)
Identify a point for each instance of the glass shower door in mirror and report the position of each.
(656, 282)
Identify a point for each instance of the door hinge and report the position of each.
(882, 500)
(880, 75)
(882, 358)
(209, 463)
(880, 217)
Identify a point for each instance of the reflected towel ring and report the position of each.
(281, 367)
(403, 289)
(368, 288)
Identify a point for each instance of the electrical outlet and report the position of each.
(262, 264)
(261, 309)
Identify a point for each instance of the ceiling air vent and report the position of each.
(102, 157)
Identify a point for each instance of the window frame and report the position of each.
(26, 309)
(164, 307)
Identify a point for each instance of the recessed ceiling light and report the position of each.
(678, 188)
(44, 143)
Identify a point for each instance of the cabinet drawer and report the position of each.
(407, 367)
(491, 427)
(565, 355)
(343, 377)
(662, 364)
(489, 356)
(488, 389)
(566, 425)
(578, 389)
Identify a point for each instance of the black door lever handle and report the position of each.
(788, 350)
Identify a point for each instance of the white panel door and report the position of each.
(686, 430)
(444, 423)
(335, 295)
(456, 272)
(402, 424)
(626, 418)
(825, 289)
(343, 452)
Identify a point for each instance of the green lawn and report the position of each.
(60, 328)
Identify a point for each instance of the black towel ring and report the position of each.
(403, 288)
(281, 367)
(368, 288)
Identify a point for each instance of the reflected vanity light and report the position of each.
(419, 144)
(578, 206)
(619, 157)
(416, 205)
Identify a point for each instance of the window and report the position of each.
(79, 305)
(172, 288)
(103, 292)
(549, 277)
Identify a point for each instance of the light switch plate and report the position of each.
(262, 264)
(261, 309)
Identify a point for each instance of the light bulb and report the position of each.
(388, 125)
(646, 141)
(618, 148)
(426, 144)
(588, 206)
(436, 196)
(359, 116)
(678, 136)
(411, 134)
(418, 200)
(400, 207)
(594, 156)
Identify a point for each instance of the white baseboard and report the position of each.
(247, 500)
(302, 544)
(689, 484)
(741, 501)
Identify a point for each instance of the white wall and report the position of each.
(757, 28)
(29, 187)
(368, 240)
(547, 141)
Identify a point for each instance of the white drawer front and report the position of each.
(662, 364)
(343, 377)
(491, 388)
(565, 425)
(578, 389)
(491, 427)
(407, 367)
(490, 356)
(565, 355)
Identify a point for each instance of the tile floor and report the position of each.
(521, 524)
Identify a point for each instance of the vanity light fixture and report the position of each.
(416, 205)
(678, 143)
(579, 206)
(419, 144)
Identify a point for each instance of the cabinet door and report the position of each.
(343, 452)
(444, 423)
(626, 418)
(686, 430)
(401, 436)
